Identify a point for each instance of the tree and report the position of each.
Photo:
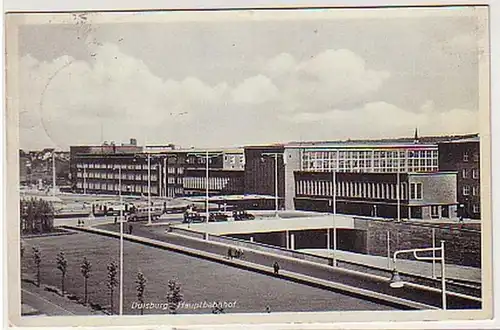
(22, 249)
(62, 265)
(37, 216)
(85, 268)
(174, 296)
(38, 260)
(141, 286)
(112, 281)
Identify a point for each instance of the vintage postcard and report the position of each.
(204, 167)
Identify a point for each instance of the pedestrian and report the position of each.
(276, 267)
(130, 229)
(268, 309)
(116, 219)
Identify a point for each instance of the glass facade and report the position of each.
(373, 160)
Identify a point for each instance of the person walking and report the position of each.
(276, 267)
(130, 229)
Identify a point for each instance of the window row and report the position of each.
(354, 189)
(475, 156)
(116, 176)
(141, 188)
(466, 190)
(116, 166)
(467, 172)
(214, 183)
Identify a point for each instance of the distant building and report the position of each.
(463, 156)
(173, 173)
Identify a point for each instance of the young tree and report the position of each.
(112, 282)
(62, 265)
(140, 286)
(22, 249)
(38, 260)
(85, 268)
(174, 296)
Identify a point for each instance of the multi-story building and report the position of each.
(356, 157)
(265, 171)
(420, 195)
(172, 173)
(463, 156)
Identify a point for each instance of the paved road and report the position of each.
(42, 305)
(318, 271)
(200, 280)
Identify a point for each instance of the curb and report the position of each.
(286, 275)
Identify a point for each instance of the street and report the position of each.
(337, 275)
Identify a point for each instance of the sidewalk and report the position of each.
(412, 267)
(36, 301)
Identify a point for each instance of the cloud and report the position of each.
(115, 96)
(332, 79)
(381, 119)
(255, 90)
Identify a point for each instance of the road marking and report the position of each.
(47, 301)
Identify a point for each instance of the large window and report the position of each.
(434, 211)
(416, 191)
(466, 190)
(465, 156)
(475, 173)
(464, 173)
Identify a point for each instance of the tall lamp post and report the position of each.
(207, 157)
(121, 237)
(54, 173)
(334, 206)
(396, 281)
(276, 198)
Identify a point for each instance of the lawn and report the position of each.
(200, 280)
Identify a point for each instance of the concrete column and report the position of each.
(292, 241)
(251, 239)
(287, 237)
(328, 238)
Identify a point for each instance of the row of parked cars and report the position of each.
(191, 216)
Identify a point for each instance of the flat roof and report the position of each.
(222, 198)
(266, 225)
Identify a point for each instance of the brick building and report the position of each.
(463, 157)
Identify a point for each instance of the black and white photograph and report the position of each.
(328, 164)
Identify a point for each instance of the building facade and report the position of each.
(356, 157)
(463, 156)
(420, 195)
(265, 172)
(172, 173)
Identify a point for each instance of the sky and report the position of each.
(245, 81)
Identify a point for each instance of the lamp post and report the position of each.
(54, 173)
(396, 281)
(121, 237)
(207, 157)
(276, 198)
(149, 189)
(334, 205)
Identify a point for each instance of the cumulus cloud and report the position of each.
(115, 96)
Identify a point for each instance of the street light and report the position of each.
(207, 158)
(396, 281)
(121, 236)
(334, 205)
(275, 154)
